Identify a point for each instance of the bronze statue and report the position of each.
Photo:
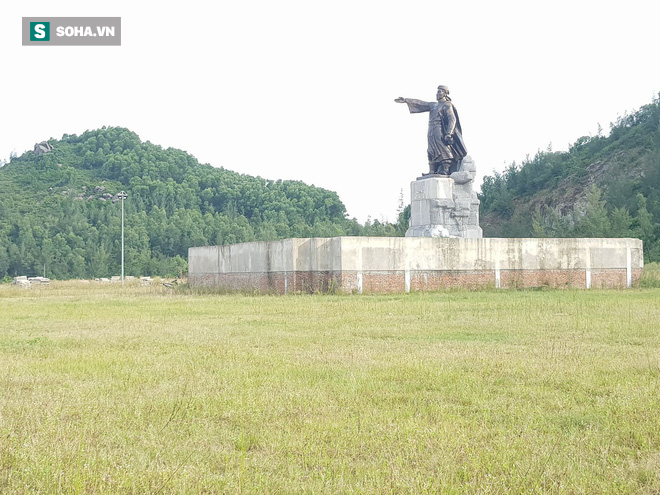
(446, 146)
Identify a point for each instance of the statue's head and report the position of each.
(443, 91)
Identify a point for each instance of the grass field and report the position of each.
(149, 390)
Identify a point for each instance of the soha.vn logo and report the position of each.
(40, 31)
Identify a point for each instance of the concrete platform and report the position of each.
(404, 264)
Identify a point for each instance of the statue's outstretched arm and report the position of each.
(415, 106)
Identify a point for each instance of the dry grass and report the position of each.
(651, 276)
(148, 390)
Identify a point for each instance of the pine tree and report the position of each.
(595, 222)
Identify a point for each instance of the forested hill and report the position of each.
(604, 186)
(59, 209)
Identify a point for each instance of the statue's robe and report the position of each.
(443, 120)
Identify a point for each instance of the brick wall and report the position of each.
(393, 282)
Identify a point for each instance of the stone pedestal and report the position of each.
(444, 206)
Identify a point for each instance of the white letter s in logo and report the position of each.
(39, 31)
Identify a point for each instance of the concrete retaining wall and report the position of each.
(398, 264)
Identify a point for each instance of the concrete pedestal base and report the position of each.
(445, 206)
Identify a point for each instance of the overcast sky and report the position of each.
(304, 90)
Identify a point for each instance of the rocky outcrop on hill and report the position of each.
(42, 147)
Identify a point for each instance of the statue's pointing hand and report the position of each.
(400, 99)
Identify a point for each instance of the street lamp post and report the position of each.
(122, 195)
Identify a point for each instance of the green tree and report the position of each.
(644, 227)
(620, 222)
(594, 222)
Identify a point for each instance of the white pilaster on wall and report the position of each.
(628, 268)
(587, 263)
(498, 280)
(406, 278)
(358, 265)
